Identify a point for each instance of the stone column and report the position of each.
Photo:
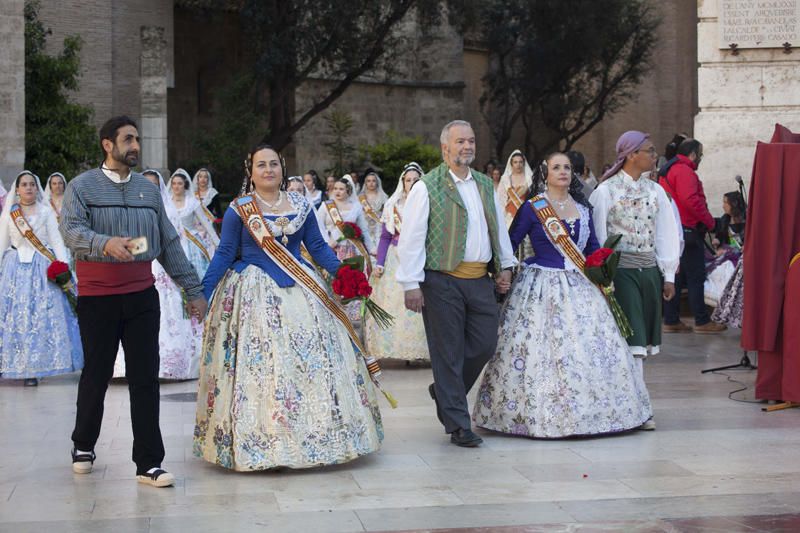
(154, 98)
(742, 93)
(12, 89)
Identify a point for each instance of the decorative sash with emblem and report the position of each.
(398, 220)
(209, 215)
(55, 210)
(252, 219)
(368, 208)
(26, 231)
(556, 231)
(197, 243)
(336, 216)
(514, 201)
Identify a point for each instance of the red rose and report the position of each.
(337, 286)
(55, 269)
(364, 289)
(348, 292)
(598, 258)
(351, 231)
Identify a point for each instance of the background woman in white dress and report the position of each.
(180, 334)
(202, 188)
(198, 236)
(405, 339)
(344, 204)
(373, 195)
(39, 336)
(54, 192)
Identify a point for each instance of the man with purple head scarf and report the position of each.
(626, 203)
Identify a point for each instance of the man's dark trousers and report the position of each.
(104, 321)
(461, 318)
(692, 274)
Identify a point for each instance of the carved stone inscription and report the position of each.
(759, 23)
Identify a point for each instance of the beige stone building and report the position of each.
(160, 64)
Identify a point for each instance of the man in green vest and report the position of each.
(452, 238)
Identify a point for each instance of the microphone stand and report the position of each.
(744, 362)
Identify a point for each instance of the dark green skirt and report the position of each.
(639, 292)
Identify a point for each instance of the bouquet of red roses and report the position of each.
(351, 284)
(350, 231)
(58, 272)
(600, 268)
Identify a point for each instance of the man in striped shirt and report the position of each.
(115, 223)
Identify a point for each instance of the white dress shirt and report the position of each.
(411, 246)
(114, 176)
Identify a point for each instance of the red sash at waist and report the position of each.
(104, 279)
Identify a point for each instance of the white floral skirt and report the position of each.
(280, 382)
(561, 368)
(405, 339)
(179, 336)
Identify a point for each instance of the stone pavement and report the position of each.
(713, 464)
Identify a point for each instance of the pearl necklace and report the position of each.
(270, 206)
(561, 204)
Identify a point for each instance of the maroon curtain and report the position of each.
(772, 240)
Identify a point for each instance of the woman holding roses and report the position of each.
(405, 339)
(561, 368)
(40, 337)
(280, 382)
(344, 226)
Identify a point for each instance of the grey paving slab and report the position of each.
(709, 457)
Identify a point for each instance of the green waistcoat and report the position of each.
(447, 222)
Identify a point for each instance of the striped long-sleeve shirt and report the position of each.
(95, 209)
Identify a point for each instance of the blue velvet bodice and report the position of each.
(238, 250)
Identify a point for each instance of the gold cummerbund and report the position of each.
(469, 270)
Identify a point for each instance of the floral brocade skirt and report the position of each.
(405, 339)
(280, 382)
(561, 368)
(731, 303)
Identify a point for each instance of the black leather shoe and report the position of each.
(465, 438)
(432, 392)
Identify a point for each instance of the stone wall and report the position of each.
(376, 109)
(202, 65)
(153, 92)
(476, 63)
(12, 89)
(426, 90)
(110, 58)
(741, 98)
(438, 80)
(666, 101)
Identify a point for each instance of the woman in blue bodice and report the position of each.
(280, 382)
(561, 368)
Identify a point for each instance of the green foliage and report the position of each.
(561, 66)
(59, 135)
(338, 41)
(224, 148)
(395, 151)
(340, 151)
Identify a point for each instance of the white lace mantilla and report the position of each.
(282, 225)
